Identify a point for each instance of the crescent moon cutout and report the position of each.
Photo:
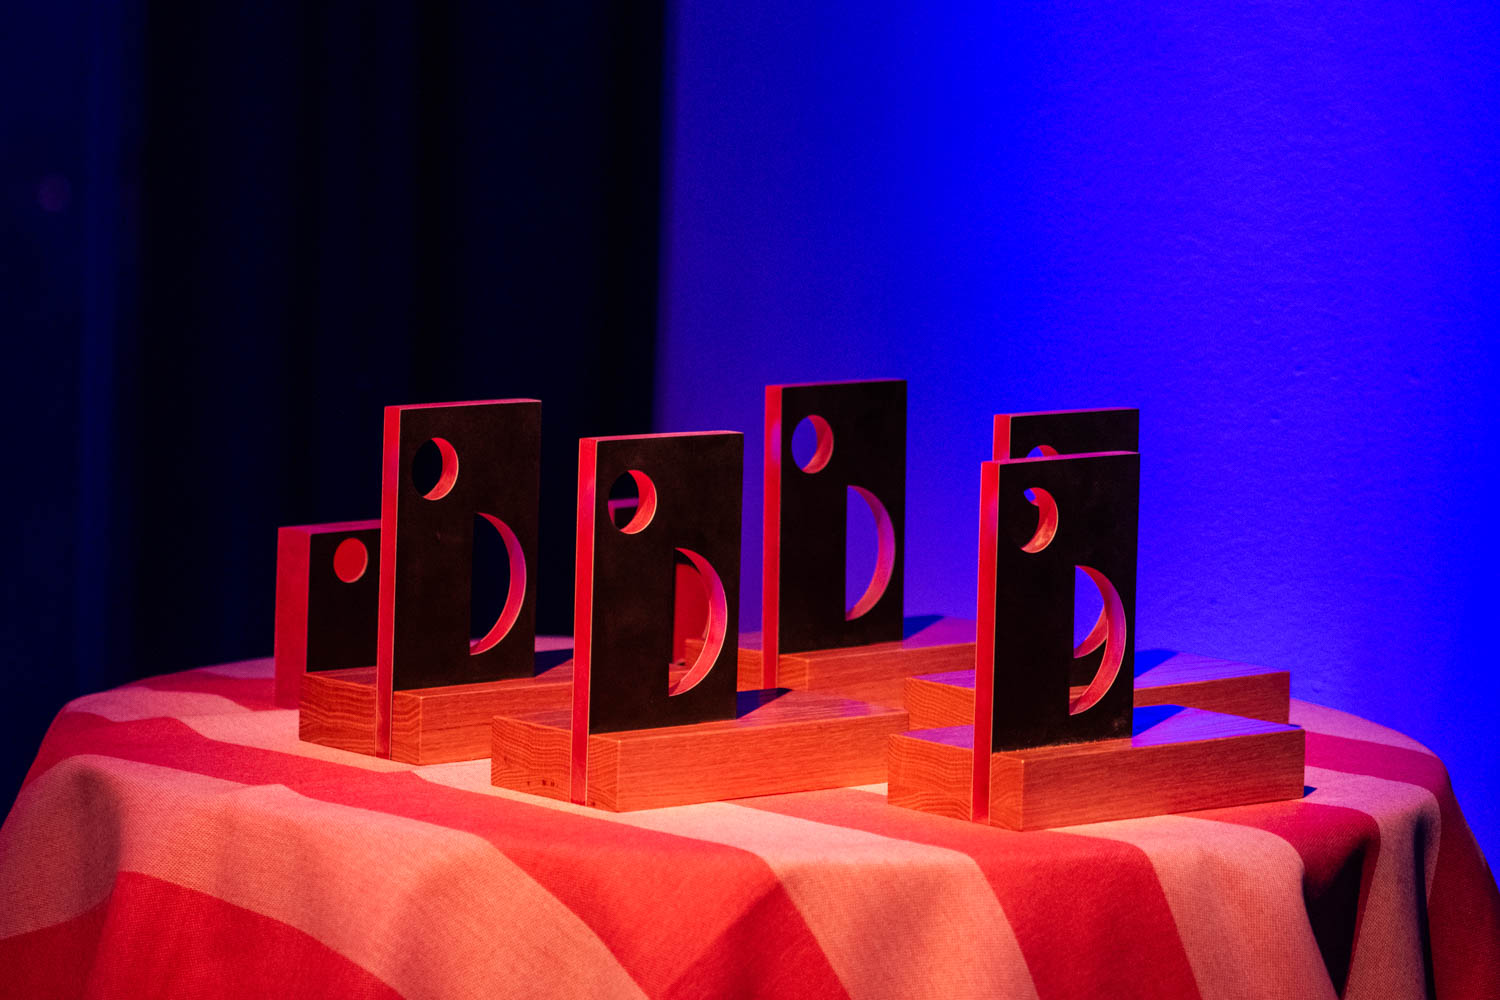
(1113, 617)
(1094, 638)
(1046, 520)
(885, 555)
(513, 597)
(718, 624)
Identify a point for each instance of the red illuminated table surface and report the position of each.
(174, 838)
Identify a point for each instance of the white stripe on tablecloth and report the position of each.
(243, 670)
(1332, 722)
(128, 704)
(422, 907)
(59, 845)
(1388, 959)
(1236, 896)
(277, 730)
(895, 918)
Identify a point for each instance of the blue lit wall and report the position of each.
(1276, 231)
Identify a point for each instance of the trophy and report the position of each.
(812, 638)
(1042, 750)
(326, 583)
(641, 734)
(1161, 676)
(429, 691)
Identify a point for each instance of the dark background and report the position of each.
(233, 233)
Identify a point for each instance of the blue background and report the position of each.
(1273, 228)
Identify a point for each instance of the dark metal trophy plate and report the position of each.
(1081, 513)
(326, 583)
(624, 598)
(641, 735)
(491, 461)
(432, 688)
(1070, 432)
(860, 446)
(689, 490)
(1066, 432)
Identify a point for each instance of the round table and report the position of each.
(175, 838)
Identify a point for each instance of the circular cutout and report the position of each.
(350, 560)
(812, 443)
(1046, 519)
(434, 468)
(1042, 451)
(632, 501)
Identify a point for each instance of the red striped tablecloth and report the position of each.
(174, 838)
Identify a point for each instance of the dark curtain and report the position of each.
(235, 234)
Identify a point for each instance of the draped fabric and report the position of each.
(174, 838)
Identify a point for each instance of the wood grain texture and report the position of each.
(1217, 685)
(875, 673)
(337, 709)
(445, 724)
(935, 701)
(1178, 760)
(797, 741)
(532, 753)
(930, 770)
(428, 725)
(947, 699)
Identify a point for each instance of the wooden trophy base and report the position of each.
(875, 673)
(435, 725)
(1178, 760)
(782, 741)
(947, 699)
